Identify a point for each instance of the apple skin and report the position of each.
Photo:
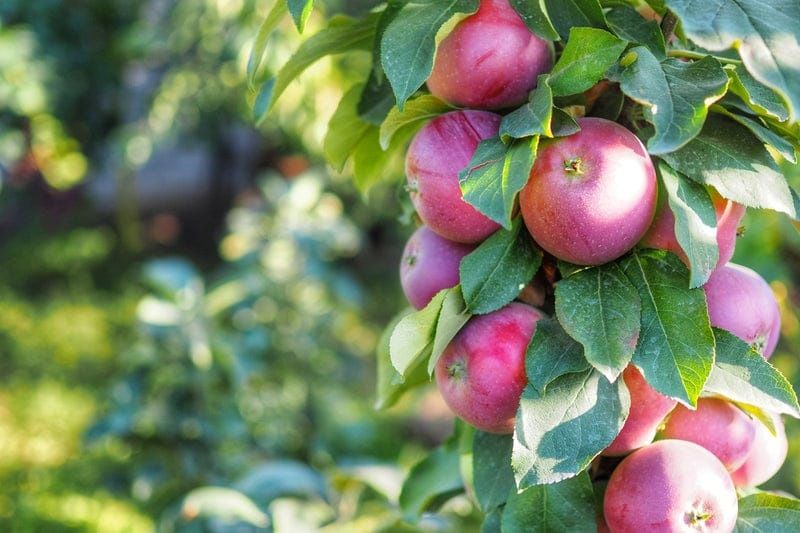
(716, 425)
(740, 301)
(661, 234)
(490, 60)
(767, 456)
(481, 373)
(591, 196)
(439, 151)
(648, 409)
(670, 486)
(429, 264)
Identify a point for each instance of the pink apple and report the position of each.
(437, 154)
(429, 264)
(490, 60)
(716, 425)
(481, 373)
(648, 409)
(591, 196)
(670, 486)
(767, 456)
(740, 301)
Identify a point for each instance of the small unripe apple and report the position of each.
(670, 486)
(766, 457)
(481, 373)
(648, 409)
(429, 264)
(591, 196)
(716, 425)
(661, 234)
(740, 301)
(440, 150)
(490, 60)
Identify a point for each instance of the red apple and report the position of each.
(591, 196)
(716, 425)
(437, 154)
(490, 60)
(648, 409)
(766, 457)
(429, 264)
(481, 373)
(740, 301)
(670, 486)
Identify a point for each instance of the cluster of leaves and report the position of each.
(713, 92)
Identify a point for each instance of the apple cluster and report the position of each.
(591, 197)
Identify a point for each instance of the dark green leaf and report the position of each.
(492, 521)
(563, 125)
(676, 345)
(534, 13)
(586, 58)
(768, 513)
(260, 45)
(492, 472)
(532, 118)
(761, 99)
(600, 308)
(408, 46)
(564, 506)
(742, 375)
(431, 482)
(766, 34)
(695, 223)
(559, 433)
(551, 354)
(628, 24)
(495, 272)
(300, 10)
(495, 174)
(263, 100)
(415, 112)
(567, 14)
(676, 95)
(390, 384)
(728, 157)
(764, 134)
(609, 104)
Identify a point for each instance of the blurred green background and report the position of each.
(190, 304)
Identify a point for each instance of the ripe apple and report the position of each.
(766, 457)
(591, 196)
(429, 264)
(740, 301)
(670, 486)
(481, 373)
(490, 60)
(440, 150)
(718, 426)
(648, 409)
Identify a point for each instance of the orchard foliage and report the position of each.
(712, 92)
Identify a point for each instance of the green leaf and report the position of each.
(601, 309)
(568, 14)
(762, 100)
(263, 99)
(766, 34)
(534, 14)
(564, 506)
(765, 512)
(676, 95)
(763, 133)
(492, 521)
(300, 10)
(551, 354)
(342, 34)
(345, 130)
(628, 24)
(411, 342)
(431, 482)
(538, 117)
(695, 223)
(495, 174)
(728, 157)
(492, 472)
(370, 163)
(586, 58)
(390, 384)
(742, 375)
(225, 504)
(260, 44)
(676, 345)
(415, 112)
(559, 433)
(408, 46)
(495, 272)
(452, 318)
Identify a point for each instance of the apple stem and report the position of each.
(574, 166)
(457, 370)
